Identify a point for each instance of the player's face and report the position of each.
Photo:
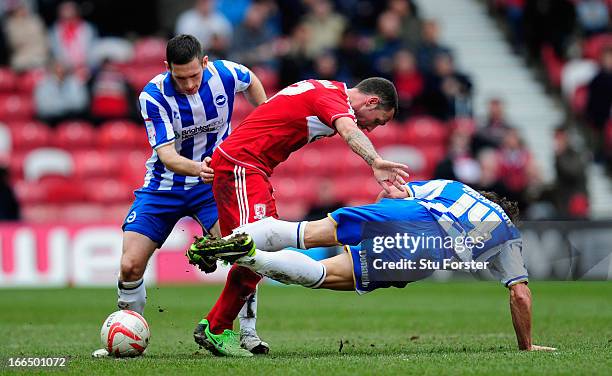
(188, 77)
(370, 116)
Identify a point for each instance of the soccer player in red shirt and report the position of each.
(299, 114)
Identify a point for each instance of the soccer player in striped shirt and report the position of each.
(187, 113)
(427, 214)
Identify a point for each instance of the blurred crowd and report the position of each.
(88, 60)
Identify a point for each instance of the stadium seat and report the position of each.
(592, 47)
(107, 191)
(242, 108)
(47, 161)
(133, 169)
(139, 76)
(29, 135)
(41, 213)
(28, 193)
(61, 189)
(16, 107)
(95, 163)
(386, 135)
(120, 134)
(83, 212)
(268, 78)
(149, 49)
(8, 80)
(424, 131)
(579, 99)
(408, 155)
(28, 80)
(75, 135)
(553, 65)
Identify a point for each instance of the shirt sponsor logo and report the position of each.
(201, 128)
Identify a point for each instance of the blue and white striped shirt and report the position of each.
(196, 123)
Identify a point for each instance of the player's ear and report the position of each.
(204, 61)
(167, 65)
(373, 101)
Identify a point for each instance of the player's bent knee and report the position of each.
(132, 269)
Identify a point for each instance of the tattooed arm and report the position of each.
(386, 173)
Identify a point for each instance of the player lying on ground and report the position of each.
(433, 209)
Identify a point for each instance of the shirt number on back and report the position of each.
(477, 215)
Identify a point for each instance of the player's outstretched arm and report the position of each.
(179, 164)
(386, 172)
(256, 93)
(520, 307)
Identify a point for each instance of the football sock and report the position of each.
(286, 266)
(241, 283)
(272, 234)
(248, 314)
(132, 295)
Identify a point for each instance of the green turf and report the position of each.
(427, 328)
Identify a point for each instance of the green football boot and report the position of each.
(224, 344)
(230, 249)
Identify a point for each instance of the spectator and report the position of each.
(325, 67)
(254, 40)
(459, 163)
(353, 57)
(514, 15)
(447, 92)
(548, 22)
(325, 27)
(494, 129)
(234, 10)
(387, 42)
(410, 29)
(430, 46)
(362, 14)
(204, 22)
(73, 39)
(570, 191)
(489, 173)
(517, 168)
(294, 60)
(593, 16)
(60, 95)
(111, 95)
(408, 80)
(27, 38)
(9, 206)
(599, 101)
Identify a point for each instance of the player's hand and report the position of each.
(541, 348)
(389, 174)
(207, 173)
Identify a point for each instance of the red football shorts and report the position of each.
(243, 195)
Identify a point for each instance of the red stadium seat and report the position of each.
(83, 212)
(139, 76)
(592, 47)
(107, 191)
(29, 193)
(424, 131)
(59, 189)
(120, 134)
(242, 108)
(149, 49)
(8, 80)
(29, 135)
(16, 107)
(75, 135)
(269, 79)
(41, 213)
(386, 135)
(94, 163)
(579, 99)
(132, 169)
(27, 81)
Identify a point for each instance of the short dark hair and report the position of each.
(510, 207)
(383, 89)
(182, 49)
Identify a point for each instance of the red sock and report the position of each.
(240, 284)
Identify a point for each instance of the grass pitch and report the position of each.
(426, 328)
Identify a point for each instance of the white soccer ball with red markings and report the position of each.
(125, 334)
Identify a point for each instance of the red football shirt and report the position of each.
(299, 114)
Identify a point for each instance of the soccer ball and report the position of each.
(125, 334)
